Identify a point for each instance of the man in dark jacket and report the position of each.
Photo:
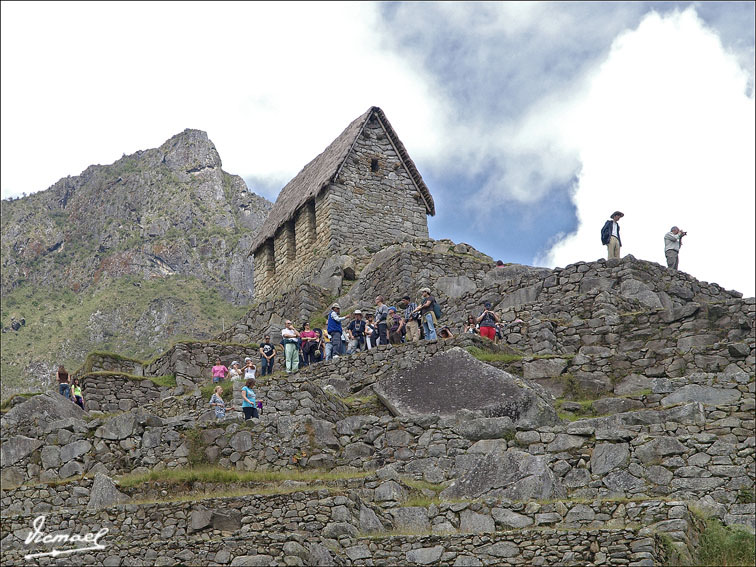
(610, 235)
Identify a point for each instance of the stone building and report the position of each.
(364, 186)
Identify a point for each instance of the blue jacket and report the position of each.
(334, 323)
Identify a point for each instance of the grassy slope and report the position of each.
(60, 320)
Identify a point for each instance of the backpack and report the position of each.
(606, 232)
(437, 310)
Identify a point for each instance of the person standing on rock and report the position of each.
(427, 314)
(249, 400)
(381, 320)
(610, 235)
(291, 350)
(411, 320)
(336, 330)
(356, 332)
(219, 371)
(64, 388)
(249, 369)
(217, 403)
(267, 356)
(394, 327)
(487, 321)
(672, 243)
(309, 344)
(371, 333)
(235, 373)
(76, 393)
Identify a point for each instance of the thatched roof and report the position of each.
(322, 171)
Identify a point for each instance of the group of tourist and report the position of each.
(250, 406)
(69, 387)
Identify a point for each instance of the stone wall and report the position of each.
(109, 362)
(315, 526)
(109, 392)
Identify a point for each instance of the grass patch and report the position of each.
(746, 496)
(216, 475)
(167, 380)
(725, 545)
(364, 400)
(486, 356)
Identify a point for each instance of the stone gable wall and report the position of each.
(373, 200)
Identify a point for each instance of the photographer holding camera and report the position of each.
(672, 243)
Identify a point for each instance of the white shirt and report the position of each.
(615, 232)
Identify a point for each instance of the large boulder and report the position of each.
(16, 448)
(455, 380)
(490, 469)
(38, 411)
(104, 493)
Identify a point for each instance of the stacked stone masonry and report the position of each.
(666, 363)
(373, 199)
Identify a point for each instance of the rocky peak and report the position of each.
(190, 151)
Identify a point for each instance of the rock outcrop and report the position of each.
(124, 257)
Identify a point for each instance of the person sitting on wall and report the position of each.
(219, 371)
(445, 333)
(471, 326)
(356, 333)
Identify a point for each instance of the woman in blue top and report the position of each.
(249, 400)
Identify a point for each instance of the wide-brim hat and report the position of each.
(424, 290)
(615, 213)
(335, 306)
(357, 312)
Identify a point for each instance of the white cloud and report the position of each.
(666, 134)
(272, 83)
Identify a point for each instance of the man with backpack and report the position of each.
(429, 311)
(411, 319)
(610, 235)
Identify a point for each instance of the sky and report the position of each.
(530, 122)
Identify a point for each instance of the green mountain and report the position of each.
(129, 256)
